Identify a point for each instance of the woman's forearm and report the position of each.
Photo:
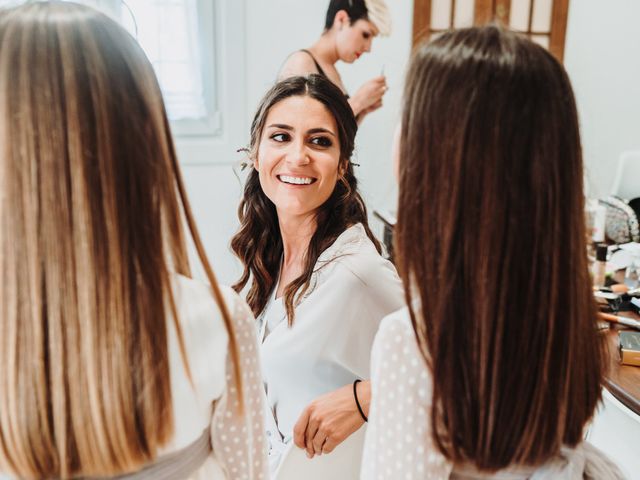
(356, 106)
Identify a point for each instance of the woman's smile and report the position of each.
(295, 180)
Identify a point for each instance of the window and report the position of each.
(178, 38)
(168, 31)
(543, 21)
(197, 48)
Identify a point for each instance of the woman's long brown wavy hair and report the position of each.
(258, 242)
(92, 208)
(491, 239)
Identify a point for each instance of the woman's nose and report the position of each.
(298, 154)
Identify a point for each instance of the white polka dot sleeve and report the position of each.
(239, 442)
(398, 441)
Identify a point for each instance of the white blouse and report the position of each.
(398, 442)
(329, 344)
(239, 449)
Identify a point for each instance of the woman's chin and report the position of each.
(349, 58)
(294, 210)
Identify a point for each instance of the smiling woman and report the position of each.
(311, 259)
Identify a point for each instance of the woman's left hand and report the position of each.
(331, 418)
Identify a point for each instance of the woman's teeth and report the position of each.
(296, 180)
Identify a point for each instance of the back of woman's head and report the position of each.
(491, 237)
(91, 219)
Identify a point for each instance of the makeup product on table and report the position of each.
(630, 348)
(600, 265)
(599, 222)
(627, 322)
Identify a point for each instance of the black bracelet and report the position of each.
(355, 395)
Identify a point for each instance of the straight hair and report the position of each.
(91, 234)
(492, 244)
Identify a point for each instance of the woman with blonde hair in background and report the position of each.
(114, 362)
(349, 29)
(495, 367)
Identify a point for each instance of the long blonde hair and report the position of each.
(92, 207)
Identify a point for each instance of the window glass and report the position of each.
(168, 32)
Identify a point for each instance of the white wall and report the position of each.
(273, 29)
(602, 56)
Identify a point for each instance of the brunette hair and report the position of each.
(258, 243)
(91, 230)
(491, 240)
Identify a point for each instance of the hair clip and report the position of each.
(245, 163)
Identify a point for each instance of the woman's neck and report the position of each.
(296, 232)
(326, 49)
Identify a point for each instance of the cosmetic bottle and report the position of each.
(600, 265)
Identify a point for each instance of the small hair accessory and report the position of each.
(246, 163)
(379, 15)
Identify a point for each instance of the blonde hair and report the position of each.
(379, 15)
(92, 206)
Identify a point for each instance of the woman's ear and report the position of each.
(252, 153)
(342, 168)
(340, 20)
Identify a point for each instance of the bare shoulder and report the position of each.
(298, 63)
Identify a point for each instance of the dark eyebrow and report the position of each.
(281, 126)
(284, 126)
(320, 130)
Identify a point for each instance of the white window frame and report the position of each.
(209, 24)
(215, 139)
(211, 125)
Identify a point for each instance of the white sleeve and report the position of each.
(365, 289)
(238, 440)
(398, 441)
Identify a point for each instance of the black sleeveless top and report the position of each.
(318, 67)
(320, 70)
